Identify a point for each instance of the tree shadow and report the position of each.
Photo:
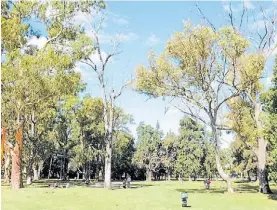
(61, 183)
(119, 186)
(242, 181)
(246, 188)
(45, 183)
(201, 190)
(273, 196)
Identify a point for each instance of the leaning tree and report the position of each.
(198, 70)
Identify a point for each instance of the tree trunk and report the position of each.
(7, 172)
(108, 163)
(16, 177)
(149, 175)
(102, 174)
(222, 174)
(36, 172)
(168, 177)
(109, 137)
(86, 172)
(96, 173)
(219, 168)
(262, 173)
(248, 176)
(194, 177)
(29, 172)
(50, 165)
(39, 170)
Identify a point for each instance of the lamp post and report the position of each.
(184, 196)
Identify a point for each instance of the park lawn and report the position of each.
(146, 196)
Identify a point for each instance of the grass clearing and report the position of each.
(163, 195)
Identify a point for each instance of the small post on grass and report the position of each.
(184, 197)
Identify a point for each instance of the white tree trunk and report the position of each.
(36, 172)
(220, 170)
(262, 173)
(149, 174)
(108, 137)
(222, 174)
(29, 172)
(108, 161)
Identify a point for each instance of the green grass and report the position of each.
(146, 196)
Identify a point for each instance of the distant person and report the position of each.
(207, 183)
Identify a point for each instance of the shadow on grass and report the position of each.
(242, 181)
(79, 183)
(246, 188)
(118, 186)
(273, 196)
(201, 190)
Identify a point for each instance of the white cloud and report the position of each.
(152, 40)
(226, 7)
(125, 37)
(121, 37)
(236, 7)
(248, 4)
(86, 20)
(257, 25)
(96, 59)
(39, 42)
(80, 18)
(120, 21)
(87, 74)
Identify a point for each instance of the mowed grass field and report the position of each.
(143, 196)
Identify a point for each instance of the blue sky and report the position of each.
(144, 26)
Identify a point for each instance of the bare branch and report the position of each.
(89, 64)
(123, 87)
(230, 13)
(242, 15)
(227, 99)
(191, 114)
(205, 18)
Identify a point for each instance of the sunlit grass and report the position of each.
(146, 196)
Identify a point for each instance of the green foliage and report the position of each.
(90, 130)
(148, 147)
(190, 66)
(194, 153)
(169, 152)
(36, 81)
(244, 159)
(123, 152)
(241, 119)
